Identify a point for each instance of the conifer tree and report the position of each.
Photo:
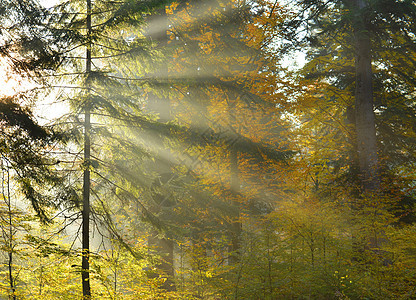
(347, 79)
(340, 29)
(26, 54)
(111, 34)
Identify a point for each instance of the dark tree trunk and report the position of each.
(365, 122)
(86, 288)
(364, 110)
(10, 236)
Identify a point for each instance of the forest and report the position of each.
(208, 149)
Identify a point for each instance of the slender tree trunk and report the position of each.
(86, 288)
(364, 110)
(9, 235)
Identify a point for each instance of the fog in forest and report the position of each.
(219, 149)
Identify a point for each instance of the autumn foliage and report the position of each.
(219, 166)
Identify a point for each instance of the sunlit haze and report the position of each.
(214, 149)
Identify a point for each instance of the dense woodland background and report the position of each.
(177, 150)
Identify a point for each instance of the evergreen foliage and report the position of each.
(194, 164)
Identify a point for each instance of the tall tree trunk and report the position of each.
(364, 110)
(9, 234)
(10, 262)
(365, 122)
(86, 288)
